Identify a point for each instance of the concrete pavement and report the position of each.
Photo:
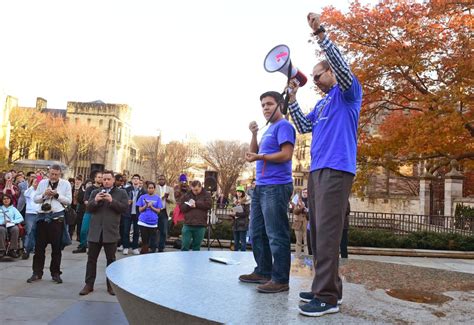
(45, 302)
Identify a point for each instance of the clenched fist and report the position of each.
(253, 127)
(314, 21)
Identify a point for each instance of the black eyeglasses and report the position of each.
(317, 76)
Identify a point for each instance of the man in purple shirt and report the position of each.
(269, 219)
(333, 123)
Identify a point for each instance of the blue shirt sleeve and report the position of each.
(18, 217)
(140, 201)
(354, 92)
(310, 115)
(286, 133)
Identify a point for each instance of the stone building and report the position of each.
(301, 161)
(6, 104)
(119, 152)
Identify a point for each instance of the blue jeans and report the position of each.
(86, 219)
(128, 221)
(271, 231)
(30, 237)
(240, 240)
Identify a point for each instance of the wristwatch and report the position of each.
(319, 30)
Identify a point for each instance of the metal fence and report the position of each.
(397, 223)
(401, 224)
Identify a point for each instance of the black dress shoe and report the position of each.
(56, 278)
(34, 278)
(80, 250)
(25, 255)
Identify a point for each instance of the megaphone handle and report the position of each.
(286, 94)
(290, 67)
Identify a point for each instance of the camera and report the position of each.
(45, 207)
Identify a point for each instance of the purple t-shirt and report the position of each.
(335, 119)
(271, 173)
(149, 216)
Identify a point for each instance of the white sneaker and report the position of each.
(136, 251)
(125, 251)
(120, 248)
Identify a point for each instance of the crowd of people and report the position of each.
(109, 211)
(108, 208)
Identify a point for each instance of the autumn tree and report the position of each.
(173, 159)
(75, 141)
(228, 159)
(414, 60)
(28, 126)
(149, 147)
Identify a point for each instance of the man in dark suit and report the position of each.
(108, 205)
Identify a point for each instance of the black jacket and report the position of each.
(129, 191)
(196, 216)
(105, 217)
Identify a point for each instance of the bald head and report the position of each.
(323, 77)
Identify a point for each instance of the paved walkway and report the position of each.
(45, 302)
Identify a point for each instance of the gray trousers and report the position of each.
(328, 194)
(14, 233)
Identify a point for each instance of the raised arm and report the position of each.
(338, 65)
(302, 123)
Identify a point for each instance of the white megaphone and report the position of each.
(278, 59)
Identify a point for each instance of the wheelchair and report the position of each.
(9, 252)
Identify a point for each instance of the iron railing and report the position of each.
(400, 223)
(397, 223)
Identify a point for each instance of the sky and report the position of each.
(187, 68)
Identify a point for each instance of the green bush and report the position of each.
(464, 217)
(416, 240)
(222, 230)
(371, 238)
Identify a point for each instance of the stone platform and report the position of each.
(186, 288)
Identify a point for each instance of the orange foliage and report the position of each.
(415, 63)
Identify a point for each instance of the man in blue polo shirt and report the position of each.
(269, 218)
(333, 123)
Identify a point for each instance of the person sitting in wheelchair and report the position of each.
(10, 218)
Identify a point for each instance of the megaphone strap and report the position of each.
(285, 95)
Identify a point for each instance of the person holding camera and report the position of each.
(106, 205)
(131, 217)
(86, 217)
(166, 193)
(149, 205)
(240, 215)
(53, 194)
(300, 222)
(8, 187)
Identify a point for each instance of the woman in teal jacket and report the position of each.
(10, 217)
